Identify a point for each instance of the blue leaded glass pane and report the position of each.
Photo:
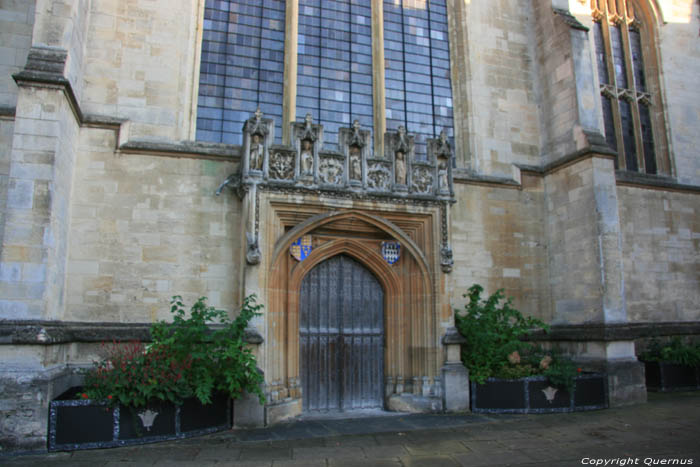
(609, 122)
(334, 75)
(242, 67)
(600, 53)
(628, 135)
(618, 56)
(417, 69)
(647, 139)
(637, 61)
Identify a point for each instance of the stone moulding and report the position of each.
(60, 332)
(535, 394)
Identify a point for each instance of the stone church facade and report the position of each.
(355, 164)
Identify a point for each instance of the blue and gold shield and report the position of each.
(301, 248)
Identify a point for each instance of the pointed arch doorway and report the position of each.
(341, 337)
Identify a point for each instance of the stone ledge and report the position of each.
(58, 332)
(642, 180)
(615, 332)
(183, 148)
(467, 176)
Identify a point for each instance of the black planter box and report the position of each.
(87, 424)
(535, 394)
(668, 377)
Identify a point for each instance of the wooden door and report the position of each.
(341, 337)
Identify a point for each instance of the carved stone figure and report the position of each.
(443, 183)
(355, 163)
(307, 157)
(400, 167)
(256, 152)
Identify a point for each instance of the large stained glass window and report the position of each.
(334, 77)
(242, 67)
(417, 67)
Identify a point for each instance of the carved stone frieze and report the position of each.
(378, 176)
(331, 170)
(422, 179)
(282, 165)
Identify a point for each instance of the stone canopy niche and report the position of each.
(359, 205)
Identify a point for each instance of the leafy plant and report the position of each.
(133, 375)
(187, 357)
(493, 330)
(674, 351)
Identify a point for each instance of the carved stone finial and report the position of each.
(256, 124)
(356, 139)
(402, 143)
(443, 148)
(308, 132)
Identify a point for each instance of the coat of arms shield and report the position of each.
(391, 251)
(301, 248)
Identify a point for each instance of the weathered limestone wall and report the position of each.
(7, 128)
(661, 245)
(499, 241)
(16, 23)
(140, 65)
(145, 228)
(497, 81)
(63, 24)
(583, 243)
(565, 75)
(38, 206)
(680, 61)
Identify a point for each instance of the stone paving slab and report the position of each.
(667, 428)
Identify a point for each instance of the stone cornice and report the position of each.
(615, 332)
(29, 332)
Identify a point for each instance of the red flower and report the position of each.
(109, 397)
(578, 370)
(85, 396)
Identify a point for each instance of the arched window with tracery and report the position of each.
(627, 61)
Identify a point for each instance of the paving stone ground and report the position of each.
(664, 431)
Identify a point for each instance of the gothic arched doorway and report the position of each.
(341, 337)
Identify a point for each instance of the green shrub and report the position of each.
(494, 347)
(675, 351)
(493, 330)
(187, 357)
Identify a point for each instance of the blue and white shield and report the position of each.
(301, 248)
(391, 251)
